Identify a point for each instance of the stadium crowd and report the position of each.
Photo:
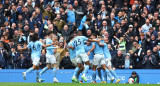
(132, 26)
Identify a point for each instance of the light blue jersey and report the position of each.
(50, 51)
(98, 49)
(78, 43)
(71, 51)
(106, 50)
(36, 48)
(87, 49)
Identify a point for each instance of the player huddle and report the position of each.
(79, 53)
(93, 52)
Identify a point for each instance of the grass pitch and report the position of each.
(72, 84)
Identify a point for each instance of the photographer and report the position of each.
(135, 77)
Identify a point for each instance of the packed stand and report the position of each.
(132, 27)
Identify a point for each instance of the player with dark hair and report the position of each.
(36, 47)
(50, 58)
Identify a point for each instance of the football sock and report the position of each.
(54, 72)
(43, 70)
(108, 73)
(29, 70)
(114, 74)
(85, 69)
(37, 72)
(77, 75)
(105, 76)
(93, 75)
(100, 75)
(76, 71)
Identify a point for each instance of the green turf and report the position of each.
(72, 84)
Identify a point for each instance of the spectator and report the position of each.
(66, 32)
(66, 62)
(22, 37)
(43, 59)
(145, 27)
(122, 44)
(127, 62)
(62, 49)
(78, 12)
(98, 22)
(144, 44)
(107, 28)
(135, 20)
(63, 14)
(111, 50)
(47, 12)
(57, 56)
(112, 21)
(16, 36)
(21, 62)
(155, 52)
(27, 55)
(59, 22)
(149, 61)
(11, 57)
(117, 60)
(70, 15)
(2, 56)
(150, 8)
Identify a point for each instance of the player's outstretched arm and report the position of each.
(52, 47)
(94, 40)
(47, 45)
(25, 48)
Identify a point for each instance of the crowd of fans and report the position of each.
(132, 25)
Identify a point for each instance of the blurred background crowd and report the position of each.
(132, 26)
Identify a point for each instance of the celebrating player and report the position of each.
(99, 60)
(36, 47)
(73, 60)
(78, 44)
(50, 58)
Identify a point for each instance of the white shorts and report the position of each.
(74, 61)
(82, 57)
(35, 61)
(50, 59)
(108, 62)
(99, 60)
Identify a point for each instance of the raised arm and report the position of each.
(117, 39)
(41, 6)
